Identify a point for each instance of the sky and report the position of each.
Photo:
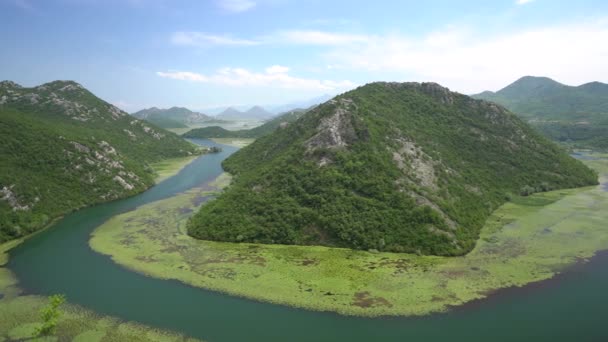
(215, 53)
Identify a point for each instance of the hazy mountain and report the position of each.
(174, 117)
(63, 148)
(402, 167)
(254, 113)
(258, 113)
(300, 104)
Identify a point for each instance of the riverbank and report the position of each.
(20, 314)
(527, 240)
(236, 142)
(20, 317)
(170, 167)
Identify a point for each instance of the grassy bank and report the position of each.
(170, 167)
(527, 240)
(236, 142)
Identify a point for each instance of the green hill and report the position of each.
(402, 167)
(574, 115)
(254, 133)
(174, 117)
(63, 148)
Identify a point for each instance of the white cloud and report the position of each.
(464, 61)
(236, 5)
(202, 39)
(311, 37)
(277, 69)
(183, 76)
(523, 2)
(274, 76)
(288, 37)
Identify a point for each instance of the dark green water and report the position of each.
(572, 307)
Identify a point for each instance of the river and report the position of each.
(572, 306)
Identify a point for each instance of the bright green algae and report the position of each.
(527, 240)
(170, 167)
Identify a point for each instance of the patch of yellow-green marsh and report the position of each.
(5, 247)
(170, 167)
(527, 240)
(237, 142)
(20, 319)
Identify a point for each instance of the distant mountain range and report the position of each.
(64, 148)
(574, 115)
(253, 113)
(276, 109)
(282, 120)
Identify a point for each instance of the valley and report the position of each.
(303, 171)
(518, 245)
(146, 239)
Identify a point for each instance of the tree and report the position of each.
(50, 314)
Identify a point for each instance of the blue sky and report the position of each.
(210, 53)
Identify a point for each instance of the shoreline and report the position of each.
(24, 307)
(4, 250)
(560, 276)
(280, 271)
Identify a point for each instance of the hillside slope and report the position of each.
(63, 148)
(403, 167)
(253, 133)
(575, 115)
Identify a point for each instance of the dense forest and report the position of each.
(256, 132)
(576, 116)
(63, 148)
(402, 167)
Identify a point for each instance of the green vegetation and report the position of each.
(50, 315)
(577, 116)
(63, 148)
(253, 133)
(390, 167)
(526, 240)
(165, 123)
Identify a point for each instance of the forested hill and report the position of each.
(174, 117)
(256, 132)
(63, 148)
(402, 167)
(574, 115)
